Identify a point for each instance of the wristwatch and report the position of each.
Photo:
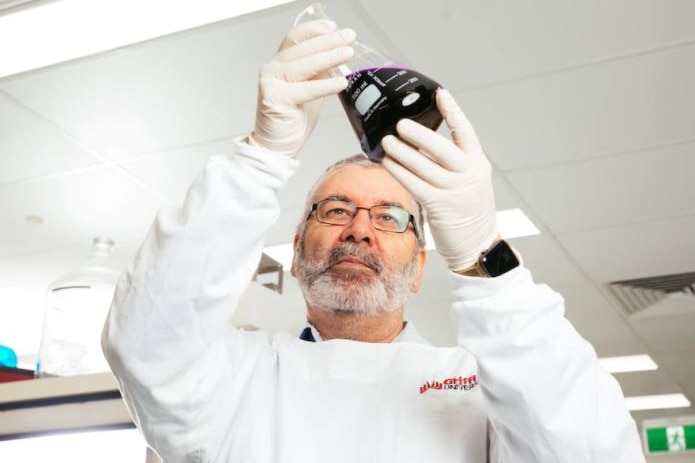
(496, 261)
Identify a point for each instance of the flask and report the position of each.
(75, 311)
(380, 92)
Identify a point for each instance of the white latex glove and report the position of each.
(452, 179)
(291, 87)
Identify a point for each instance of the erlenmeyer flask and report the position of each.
(380, 92)
(76, 307)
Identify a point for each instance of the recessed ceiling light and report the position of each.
(34, 219)
(653, 402)
(58, 31)
(628, 363)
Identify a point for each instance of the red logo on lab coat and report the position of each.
(456, 383)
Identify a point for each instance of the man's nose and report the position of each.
(359, 229)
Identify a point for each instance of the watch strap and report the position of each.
(475, 271)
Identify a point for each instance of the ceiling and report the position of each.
(586, 110)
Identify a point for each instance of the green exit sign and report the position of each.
(673, 438)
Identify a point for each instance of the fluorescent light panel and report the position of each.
(654, 402)
(628, 363)
(110, 446)
(513, 223)
(64, 30)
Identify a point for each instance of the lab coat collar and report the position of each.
(408, 334)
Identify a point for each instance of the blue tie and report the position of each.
(306, 335)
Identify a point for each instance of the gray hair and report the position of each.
(362, 161)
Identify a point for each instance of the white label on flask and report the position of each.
(410, 99)
(366, 99)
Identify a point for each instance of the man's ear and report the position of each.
(422, 261)
(295, 244)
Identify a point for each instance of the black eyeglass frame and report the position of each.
(411, 217)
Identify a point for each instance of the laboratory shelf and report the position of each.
(48, 405)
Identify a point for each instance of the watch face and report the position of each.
(499, 259)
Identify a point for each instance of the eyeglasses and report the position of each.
(386, 218)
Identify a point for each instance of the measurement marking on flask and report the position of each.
(397, 74)
(71, 287)
(412, 80)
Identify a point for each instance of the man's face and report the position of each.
(354, 267)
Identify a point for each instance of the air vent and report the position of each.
(636, 295)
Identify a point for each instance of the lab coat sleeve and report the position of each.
(167, 336)
(548, 399)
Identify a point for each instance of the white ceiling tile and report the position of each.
(621, 106)
(658, 381)
(172, 172)
(672, 347)
(75, 208)
(548, 260)
(645, 249)
(624, 189)
(464, 44)
(669, 333)
(597, 320)
(506, 197)
(31, 147)
(682, 367)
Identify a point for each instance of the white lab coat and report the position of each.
(522, 387)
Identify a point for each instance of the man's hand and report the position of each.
(293, 84)
(452, 179)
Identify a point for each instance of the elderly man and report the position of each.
(359, 384)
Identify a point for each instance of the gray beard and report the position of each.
(352, 290)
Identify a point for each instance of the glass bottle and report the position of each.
(76, 308)
(380, 92)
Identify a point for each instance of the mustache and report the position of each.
(354, 250)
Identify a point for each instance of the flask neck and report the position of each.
(103, 246)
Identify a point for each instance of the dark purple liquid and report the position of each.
(376, 99)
